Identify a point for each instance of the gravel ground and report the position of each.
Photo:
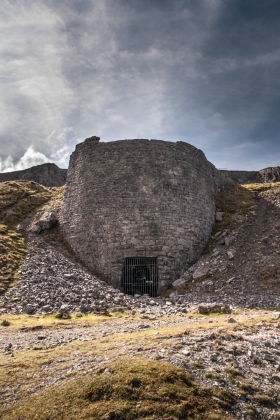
(240, 271)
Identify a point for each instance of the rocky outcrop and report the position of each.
(48, 174)
(47, 221)
(271, 174)
(242, 177)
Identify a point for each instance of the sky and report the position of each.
(205, 72)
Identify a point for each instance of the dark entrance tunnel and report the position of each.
(140, 276)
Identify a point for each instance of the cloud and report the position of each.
(34, 90)
(30, 158)
(202, 72)
(60, 144)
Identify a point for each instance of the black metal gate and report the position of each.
(140, 276)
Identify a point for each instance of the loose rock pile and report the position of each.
(242, 268)
(52, 283)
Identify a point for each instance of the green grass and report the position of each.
(132, 389)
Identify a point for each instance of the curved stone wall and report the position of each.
(138, 198)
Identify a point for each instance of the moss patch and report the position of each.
(131, 389)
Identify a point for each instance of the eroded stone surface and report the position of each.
(139, 198)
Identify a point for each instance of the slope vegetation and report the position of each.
(17, 200)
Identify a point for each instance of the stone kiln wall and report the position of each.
(135, 198)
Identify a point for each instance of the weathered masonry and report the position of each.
(138, 212)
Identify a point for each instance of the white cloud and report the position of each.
(30, 158)
(34, 93)
(120, 69)
(60, 145)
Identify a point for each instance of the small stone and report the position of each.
(227, 337)
(214, 358)
(231, 320)
(46, 308)
(230, 255)
(200, 272)
(219, 216)
(256, 371)
(64, 309)
(269, 357)
(5, 323)
(29, 309)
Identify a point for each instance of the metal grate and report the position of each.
(140, 276)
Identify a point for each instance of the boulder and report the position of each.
(179, 284)
(30, 309)
(47, 221)
(208, 308)
(200, 272)
(36, 229)
(64, 309)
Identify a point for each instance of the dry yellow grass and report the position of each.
(24, 374)
(257, 187)
(17, 200)
(131, 389)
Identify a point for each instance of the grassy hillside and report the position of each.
(17, 200)
(126, 389)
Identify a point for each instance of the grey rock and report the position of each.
(36, 229)
(231, 320)
(64, 309)
(47, 221)
(200, 272)
(179, 284)
(213, 308)
(30, 309)
(230, 255)
(219, 216)
(256, 371)
(46, 308)
(269, 357)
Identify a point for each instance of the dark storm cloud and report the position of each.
(205, 72)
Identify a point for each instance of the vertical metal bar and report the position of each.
(126, 273)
